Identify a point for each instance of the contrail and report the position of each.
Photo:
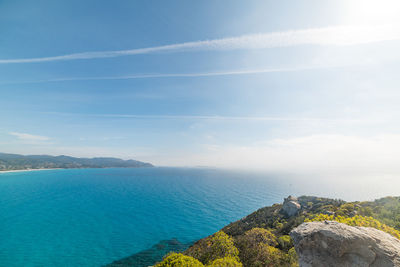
(337, 36)
(203, 117)
(172, 75)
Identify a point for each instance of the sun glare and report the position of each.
(372, 11)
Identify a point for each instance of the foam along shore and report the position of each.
(29, 170)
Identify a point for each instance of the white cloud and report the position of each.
(338, 36)
(30, 138)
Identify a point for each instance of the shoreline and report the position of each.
(30, 170)
(49, 169)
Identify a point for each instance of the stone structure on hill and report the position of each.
(291, 206)
(332, 244)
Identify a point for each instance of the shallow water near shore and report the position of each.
(93, 217)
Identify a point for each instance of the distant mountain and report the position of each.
(21, 162)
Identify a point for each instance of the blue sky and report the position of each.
(276, 85)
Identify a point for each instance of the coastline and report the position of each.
(49, 169)
(29, 170)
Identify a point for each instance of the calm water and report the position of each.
(91, 217)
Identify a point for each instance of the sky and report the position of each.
(295, 86)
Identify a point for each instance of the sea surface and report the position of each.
(93, 217)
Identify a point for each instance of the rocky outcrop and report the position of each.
(291, 206)
(335, 244)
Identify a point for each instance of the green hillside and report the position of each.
(20, 162)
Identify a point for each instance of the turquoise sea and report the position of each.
(92, 217)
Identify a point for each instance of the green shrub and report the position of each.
(179, 260)
(269, 256)
(260, 235)
(225, 262)
(219, 245)
(292, 259)
(285, 242)
(257, 248)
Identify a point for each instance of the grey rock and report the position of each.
(335, 244)
(291, 206)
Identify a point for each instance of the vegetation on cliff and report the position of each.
(261, 238)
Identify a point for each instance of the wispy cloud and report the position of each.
(338, 36)
(30, 138)
(173, 75)
(179, 75)
(221, 118)
(208, 117)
